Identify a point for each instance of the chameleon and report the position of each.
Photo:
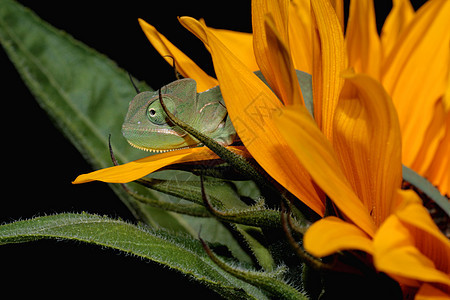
(148, 128)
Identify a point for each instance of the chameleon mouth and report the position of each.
(158, 150)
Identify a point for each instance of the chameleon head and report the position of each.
(148, 128)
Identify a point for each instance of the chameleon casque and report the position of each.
(147, 127)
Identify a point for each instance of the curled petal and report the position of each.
(271, 45)
(318, 157)
(184, 64)
(338, 6)
(428, 238)
(331, 234)
(329, 60)
(300, 35)
(409, 246)
(362, 40)
(288, 87)
(144, 166)
(278, 10)
(396, 255)
(367, 141)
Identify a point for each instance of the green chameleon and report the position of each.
(147, 127)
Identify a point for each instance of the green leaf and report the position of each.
(183, 252)
(84, 93)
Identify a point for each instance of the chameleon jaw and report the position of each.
(158, 150)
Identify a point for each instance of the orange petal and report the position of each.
(367, 141)
(401, 14)
(240, 43)
(184, 64)
(429, 292)
(446, 96)
(428, 238)
(280, 14)
(270, 40)
(438, 172)
(415, 73)
(317, 156)
(395, 254)
(338, 6)
(331, 234)
(432, 140)
(329, 59)
(251, 106)
(144, 166)
(409, 247)
(362, 40)
(287, 85)
(300, 35)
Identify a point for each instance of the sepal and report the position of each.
(271, 282)
(256, 215)
(427, 188)
(254, 239)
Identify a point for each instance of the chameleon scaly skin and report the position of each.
(147, 127)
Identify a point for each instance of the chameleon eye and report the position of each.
(152, 112)
(155, 112)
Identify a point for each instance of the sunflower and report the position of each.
(374, 109)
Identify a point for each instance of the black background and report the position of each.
(39, 163)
